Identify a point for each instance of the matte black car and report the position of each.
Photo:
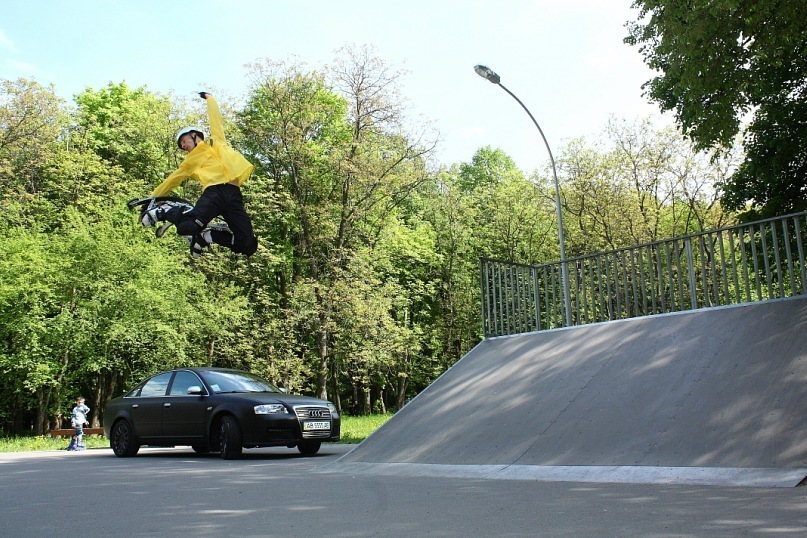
(217, 410)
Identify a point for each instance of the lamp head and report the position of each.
(487, 73)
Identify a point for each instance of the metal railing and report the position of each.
(739, 264)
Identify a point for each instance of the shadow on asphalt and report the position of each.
(270, 454)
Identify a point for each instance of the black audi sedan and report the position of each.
(217, 410)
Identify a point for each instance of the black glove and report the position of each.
(204, 95)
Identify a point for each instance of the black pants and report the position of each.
(223, 200)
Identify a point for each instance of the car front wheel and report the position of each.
(229, 438)
(309, 448)
(122, 440)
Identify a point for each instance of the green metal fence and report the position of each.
(739, 264)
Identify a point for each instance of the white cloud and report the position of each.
(6, 43)
(22, 69)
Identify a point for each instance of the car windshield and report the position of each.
(237, 382)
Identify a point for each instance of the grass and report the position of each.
(354, 430)
(46, 442)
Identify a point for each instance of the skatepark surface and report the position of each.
(277, 492)
(715, 397)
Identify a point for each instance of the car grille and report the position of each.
(313, 413)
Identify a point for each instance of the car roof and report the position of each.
(207, 369)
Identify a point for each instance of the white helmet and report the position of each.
(200, 133)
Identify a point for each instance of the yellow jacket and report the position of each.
(211, 162)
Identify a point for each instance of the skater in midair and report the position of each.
(221, 170)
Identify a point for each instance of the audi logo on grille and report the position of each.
(316, 413)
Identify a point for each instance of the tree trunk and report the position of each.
(95, 412)
(322, 344)
(336, 398)
(367, 407)
(400, 396)
(322, 368)
(211, 346)
(41, 412)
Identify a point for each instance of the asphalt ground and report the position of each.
(277, 492)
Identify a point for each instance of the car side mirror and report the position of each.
(195, 389)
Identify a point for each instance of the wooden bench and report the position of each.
(71, 431)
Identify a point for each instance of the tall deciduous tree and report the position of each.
(132, 129)
(31, 118)
(341, 162)
(640, 184)
(453, 217)
(514, 219)
(721, 61)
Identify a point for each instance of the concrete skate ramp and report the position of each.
(722, 388)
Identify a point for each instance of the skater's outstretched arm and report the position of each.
(215, 119)
(173, 181)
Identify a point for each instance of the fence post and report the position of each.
(483, 290)
(693, 296)
(537, 297)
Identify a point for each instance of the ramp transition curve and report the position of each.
(708, 396)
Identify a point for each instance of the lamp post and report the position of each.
(490, 75)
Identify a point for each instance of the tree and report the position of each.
(514, 216)
(774, 175)
(641, 184)
(131, 129)
(341, 162)
(488, 166)
(31, 120)
(721, 61)
(453, 216)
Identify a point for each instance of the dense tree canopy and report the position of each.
(724, 62)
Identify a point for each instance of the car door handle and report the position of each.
(135, 406)
(166, 405)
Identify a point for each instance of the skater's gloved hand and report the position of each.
(205, 95)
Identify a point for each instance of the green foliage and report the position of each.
(73, 306)
(721, 62)
(488, 167)
(340, 166)
(130, 129)
(774, 174)
(641, 185)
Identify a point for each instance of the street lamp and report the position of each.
(490, 75)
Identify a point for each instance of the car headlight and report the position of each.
(334, 412)
(271, 409)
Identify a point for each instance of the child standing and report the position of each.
(78, 418)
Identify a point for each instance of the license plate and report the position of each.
(308, 426)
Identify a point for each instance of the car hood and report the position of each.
(275, 397)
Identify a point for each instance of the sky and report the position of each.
(564, 59)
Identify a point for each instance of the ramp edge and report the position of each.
(694, 476)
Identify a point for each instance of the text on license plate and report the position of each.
(308, 426)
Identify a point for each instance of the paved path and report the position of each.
(276, 492)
